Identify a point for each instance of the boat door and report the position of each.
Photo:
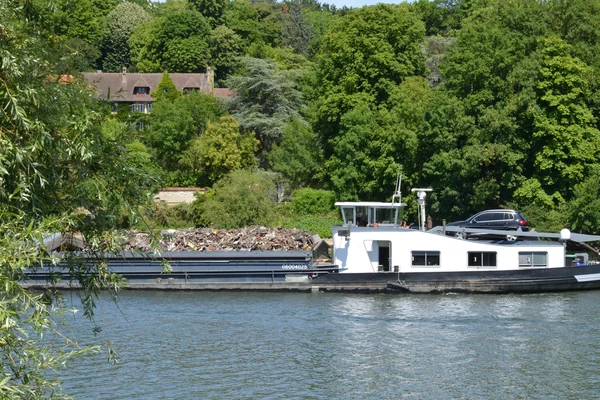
(385, 256)
(380, 254)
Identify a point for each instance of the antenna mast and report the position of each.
(421, 194)
(397, 194)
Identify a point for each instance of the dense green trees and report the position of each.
(339, 98)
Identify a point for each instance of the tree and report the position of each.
(253, 22)
(174, 124)
(225, 49)
(297, 32)
(240, 199)
(584, 208)
(298, 157)
(219, 150)
(358, 65)
(166, 89)
(58, 174)
(176, 42)
(211, 9)
(565, 137)
(120, 25)
(83, 20)
(266, 100)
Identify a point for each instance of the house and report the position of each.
(134, 89)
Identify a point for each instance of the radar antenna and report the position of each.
(421, 194)
(397, 194)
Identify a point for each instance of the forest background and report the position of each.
(491, 103)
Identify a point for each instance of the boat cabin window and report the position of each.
(348, 215)
(369, 215)
(383, 216)
(425, 258)
(482, 259)
(533, 259)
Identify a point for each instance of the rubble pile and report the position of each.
(206, 239)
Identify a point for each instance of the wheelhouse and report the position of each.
(372, 214)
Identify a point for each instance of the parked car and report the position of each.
(495, 219)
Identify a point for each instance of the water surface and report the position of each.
(197, 345)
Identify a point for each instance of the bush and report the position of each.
(240, 199)
(313, 201)
(320, 224)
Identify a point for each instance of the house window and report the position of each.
(148, 107)
(114, 107)
(191, 89)
(138, 107)
(141, 90)
(425, 258)
(482, 259)
(533, 259)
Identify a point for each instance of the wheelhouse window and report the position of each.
(533, 259)
(141, 90)
(425, 258)
(482, 259)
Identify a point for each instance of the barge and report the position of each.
(373, 251)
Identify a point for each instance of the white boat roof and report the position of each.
(574, 236)
(368, 204)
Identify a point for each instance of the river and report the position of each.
(217, 345)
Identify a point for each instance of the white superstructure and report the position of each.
(374, 239)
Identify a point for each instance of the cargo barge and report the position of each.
(371, 252)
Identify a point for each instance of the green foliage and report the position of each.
(240, 199)
(159, 215)
(225, 48)
(584, 208)
(320, 224)
(297, 32)
(219, 150)
(298, 157)
(212, 10)
(120, 25)
(83, 19)
(565, 137)
(311, 201)
(174, 124)
(176, 42)
(166, 89)
(254, 22)
(547, 219)
(266, 100)
(58, 173)
(144, 47)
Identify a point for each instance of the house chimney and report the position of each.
(124, 75)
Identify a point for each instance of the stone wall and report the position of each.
(178, 195)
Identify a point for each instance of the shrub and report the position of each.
(313, 201)
(240, 199)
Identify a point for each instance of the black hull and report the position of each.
(519, 281)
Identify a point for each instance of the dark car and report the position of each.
(495, 219)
